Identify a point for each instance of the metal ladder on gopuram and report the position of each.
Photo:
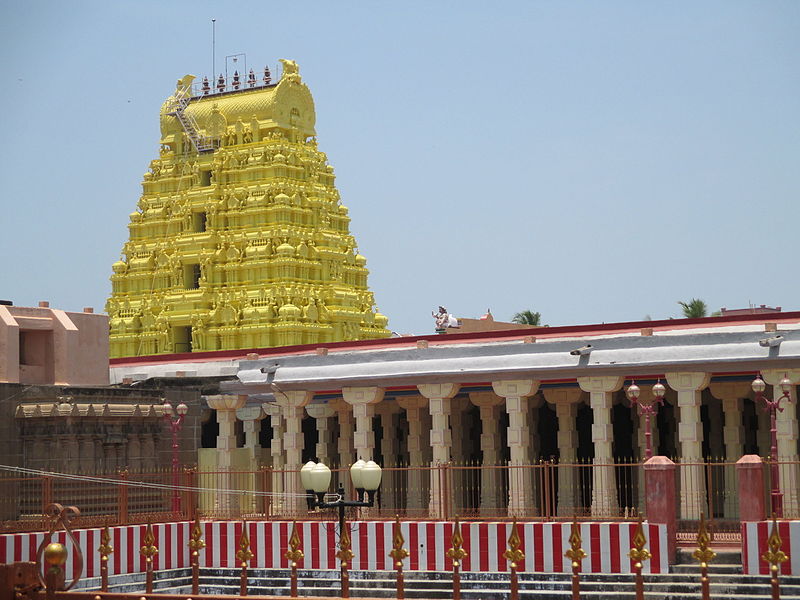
(177, 109)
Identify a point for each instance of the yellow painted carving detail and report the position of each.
(244, 246)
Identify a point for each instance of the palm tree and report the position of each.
(694, 309)
(527, 317)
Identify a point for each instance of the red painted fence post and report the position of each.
(752, 506)
(660, 498)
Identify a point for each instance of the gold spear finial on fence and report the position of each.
(704, 555)
(774, 556)
(196, 544)
(398, 553)
(345, 555)
(243, 555)
(515, 556)
(576, 554)
(294, 554)
(457, 554)
(104, 549)
(639, 554)
(149, 550)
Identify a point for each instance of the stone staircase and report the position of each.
(682, 583)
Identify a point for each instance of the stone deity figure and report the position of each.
(444, 319)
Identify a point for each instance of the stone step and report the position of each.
(475, 586)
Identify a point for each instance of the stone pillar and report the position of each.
(690, 433)
(716, 429)
(322, 414)
(134, 451)
(659, 474)
(344, 415)
(87, 459)
(273, 410)
(251, 416)
(417, 490)
(226, 406)
(389, 413)
(752, 503)
(363, 400)
(604, 486)
(491, 473)
(69, 451)
(148, 449)
(730, 393)
(520, 475)
(439, 396)
(292, 405)
(566, 403)
(787, 440)
(458, 475)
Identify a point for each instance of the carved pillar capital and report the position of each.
(688, 381)
(226, 401)
(515, 388)
(294, 399)
(600, 384)
(438, 390)
(729, 390)
(485, 399)
(559, 396)
(362, 395)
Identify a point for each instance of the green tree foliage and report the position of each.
(694, 309)
(528, 317)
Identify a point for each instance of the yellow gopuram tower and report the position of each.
(240, 240)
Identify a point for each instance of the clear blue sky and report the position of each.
(594, 161)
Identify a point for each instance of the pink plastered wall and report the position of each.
(40, 345)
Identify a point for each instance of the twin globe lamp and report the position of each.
(316, 477)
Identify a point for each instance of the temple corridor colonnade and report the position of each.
(435, 436)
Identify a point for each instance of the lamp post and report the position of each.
(773, 406)
(175, 427)
(316, 477)
(647, 407)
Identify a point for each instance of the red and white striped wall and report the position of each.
(754, 544)
(606, 544)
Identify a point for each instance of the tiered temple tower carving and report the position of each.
(239, 241)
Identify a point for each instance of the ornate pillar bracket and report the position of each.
(520, 488)
(363, 400)
(689, 386)
(604, 489)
